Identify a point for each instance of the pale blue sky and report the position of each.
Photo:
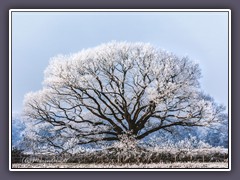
(38, 36)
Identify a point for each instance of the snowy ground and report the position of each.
(153, 165)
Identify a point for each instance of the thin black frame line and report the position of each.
(118, 11)
(105, 169)
(228, 93)
(11, 88)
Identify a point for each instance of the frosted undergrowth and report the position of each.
(141, 165)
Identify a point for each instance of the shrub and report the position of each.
(18, 156)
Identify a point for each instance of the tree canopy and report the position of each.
(116, 89)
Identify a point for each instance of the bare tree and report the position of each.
(114, 89)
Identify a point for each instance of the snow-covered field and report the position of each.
(153, 165)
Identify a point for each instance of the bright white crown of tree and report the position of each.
(117, 88)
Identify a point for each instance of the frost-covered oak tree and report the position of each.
(116, 89)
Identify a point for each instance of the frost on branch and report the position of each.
(103, 93)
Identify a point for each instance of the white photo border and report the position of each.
(120, 10)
